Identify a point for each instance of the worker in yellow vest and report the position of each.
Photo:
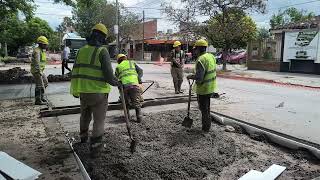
(91, 80)
(130, 74)
(177, 59)
(206, 83)
(38, 64)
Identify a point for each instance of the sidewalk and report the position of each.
(295, 79)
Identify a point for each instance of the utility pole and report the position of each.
(116, 27)
(143, 35)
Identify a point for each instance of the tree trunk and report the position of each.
(5, 50)
(224, 59)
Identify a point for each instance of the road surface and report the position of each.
(290, 110)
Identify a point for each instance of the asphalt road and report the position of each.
(290, 110)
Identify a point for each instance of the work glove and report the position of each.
(215, 95)
(191, 76)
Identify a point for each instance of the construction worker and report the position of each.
(91, 78)
(130, 74)
(177, 58)
(38, 64)
(206, 84)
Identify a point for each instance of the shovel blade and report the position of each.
(187, 122)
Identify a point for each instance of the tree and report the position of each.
(240, 30)
(263, 33)
(129, 23)
(19, 33)
(225, 10)
(86, 15)
(290, 15)
(14, 6)
(66, 23)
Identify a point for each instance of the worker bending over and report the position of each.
(206, 84)
(91, 78)
(38, 64)
(177, 59)
(130, 74)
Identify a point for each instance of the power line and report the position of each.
(134, 7)
(308, 2)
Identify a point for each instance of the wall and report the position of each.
(264, 65)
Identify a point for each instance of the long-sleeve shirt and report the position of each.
(177, 59)
(106, 67)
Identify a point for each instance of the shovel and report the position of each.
(187, 122)
(133, 143)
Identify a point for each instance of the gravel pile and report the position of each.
(165, 150)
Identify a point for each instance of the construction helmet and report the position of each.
(42, 40)
(101, 27)
(120, 56)
(201, 42)
(176, 44)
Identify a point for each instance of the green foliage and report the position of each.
(87, 14)
(9, 7)
(233, 33)
(290, 15)
(66, 23)
(263, 33)
(54, 39)
(7, 59)
(17, 33)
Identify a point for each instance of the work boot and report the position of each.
(37, 95)
(179, 87)
(139, 115)
(84, 136)
(96, 146)
(43, 99)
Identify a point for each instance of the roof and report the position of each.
(155, 41)
(310, 24)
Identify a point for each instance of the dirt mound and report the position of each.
(21, 76)
(165, 150)
(15, 76)
(59, 78)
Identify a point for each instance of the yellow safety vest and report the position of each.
(126, 72)
(43, 60)
(87, 75)
(209, 84)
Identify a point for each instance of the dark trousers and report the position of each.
(204, 106)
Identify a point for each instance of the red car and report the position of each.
(237, 57)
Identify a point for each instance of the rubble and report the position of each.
(21, 76)
(165, 150)
(15, 76)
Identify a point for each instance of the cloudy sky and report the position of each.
(54, 13)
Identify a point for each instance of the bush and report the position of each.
(8, 59)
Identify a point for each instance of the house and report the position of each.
(294, 47)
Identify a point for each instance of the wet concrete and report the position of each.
(250, 101)
(165, 150)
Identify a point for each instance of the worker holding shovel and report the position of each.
(38, 64)
(91, 80)
(130, 74)
(206, 83)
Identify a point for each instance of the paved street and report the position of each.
(285, 109)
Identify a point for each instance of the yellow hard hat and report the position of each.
(176, 44)
(201, 42)
(101, 27)
(42, 40)
(120, 56)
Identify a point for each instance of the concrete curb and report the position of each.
(272, 136)
(269, 81)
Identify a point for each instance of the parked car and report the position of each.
(237, 57)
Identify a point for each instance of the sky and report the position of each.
(54, 13)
